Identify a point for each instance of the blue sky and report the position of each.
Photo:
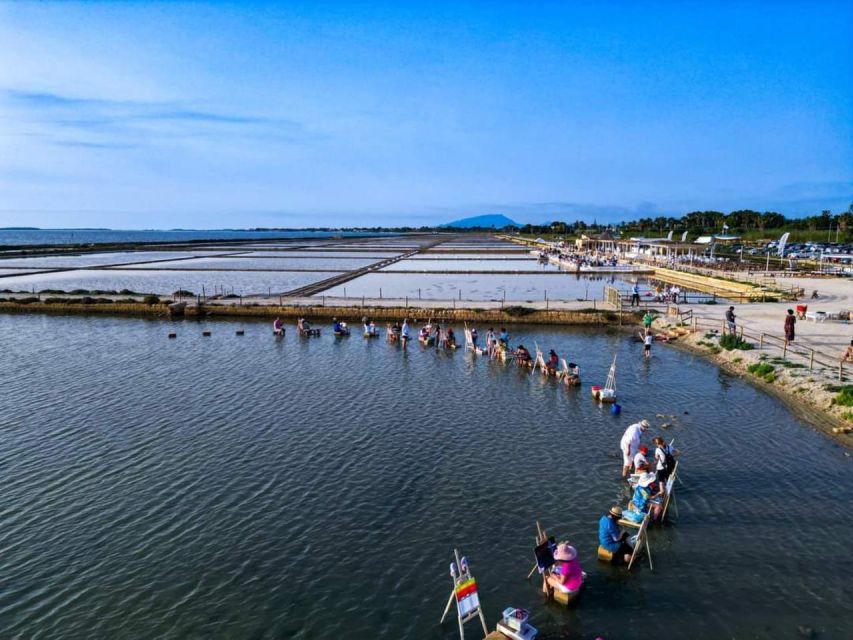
(151, 115)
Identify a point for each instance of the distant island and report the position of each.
(19, 229)
(490, 221)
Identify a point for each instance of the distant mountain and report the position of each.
(495, 220)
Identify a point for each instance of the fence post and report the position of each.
(785, 348)
(841, 371)
(811, 360)
(761, 342)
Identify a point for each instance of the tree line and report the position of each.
(740, 221)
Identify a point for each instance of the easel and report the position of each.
(669, 493)
(469, 340)
(540, 360)
(642, 539)
(541, 537)
(465, 594)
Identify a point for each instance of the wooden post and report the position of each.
(841, 371)
(785, 348)
(811, 360)
(761, 342)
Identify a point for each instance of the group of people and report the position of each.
(433, 334)
(650, 478)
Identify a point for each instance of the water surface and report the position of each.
(243, 487)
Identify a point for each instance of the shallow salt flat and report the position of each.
(472, 287)
(225, 264)
(430, 255)
(470, 265)
(166, 282)
(99, 259)
(12, 272)
(322, 255)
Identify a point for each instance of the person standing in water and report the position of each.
(647, 344)
(404, 332)
(790, 321)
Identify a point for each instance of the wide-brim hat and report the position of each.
(616, 510)
(644, 424)
(565, 552)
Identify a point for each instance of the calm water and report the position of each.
(518, 288)
(242, 487)
(165, 282)
(100, 259)
(450, 264)
(87, 236)
(240, 262)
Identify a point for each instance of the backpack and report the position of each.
(669, 459)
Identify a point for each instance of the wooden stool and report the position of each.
(604, 555)
(564, 597)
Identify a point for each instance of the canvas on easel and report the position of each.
(465, 594)
(540, 360)
(641, 540)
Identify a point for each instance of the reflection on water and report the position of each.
(516, 288)
(449, 264)
(165, 282)
(241, 262)
(247, 487)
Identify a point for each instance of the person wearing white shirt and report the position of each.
(630, 444)
(640, 458)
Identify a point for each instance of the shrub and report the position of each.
(28, 300)
(79, 292)
(151, 299)
(845, 396)
(763, 370)
(126, 292)
(51, 291)
(731, 341)
(518, 311)
(182, 293)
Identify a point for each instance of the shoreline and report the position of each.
(807, 399)
(510, 314)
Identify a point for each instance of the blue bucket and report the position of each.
(615, 409)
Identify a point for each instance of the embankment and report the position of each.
(809, 395)
(507, 315)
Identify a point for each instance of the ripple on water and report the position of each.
(300, 488)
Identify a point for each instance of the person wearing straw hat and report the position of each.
(612, 538)
(630, 445)
(566, 575)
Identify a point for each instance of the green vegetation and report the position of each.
(180, 293)
(787, 363)
(845, 395)
(518, 311)
(731, 341)
(151, 299)
(763, 370)
(750, 225)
